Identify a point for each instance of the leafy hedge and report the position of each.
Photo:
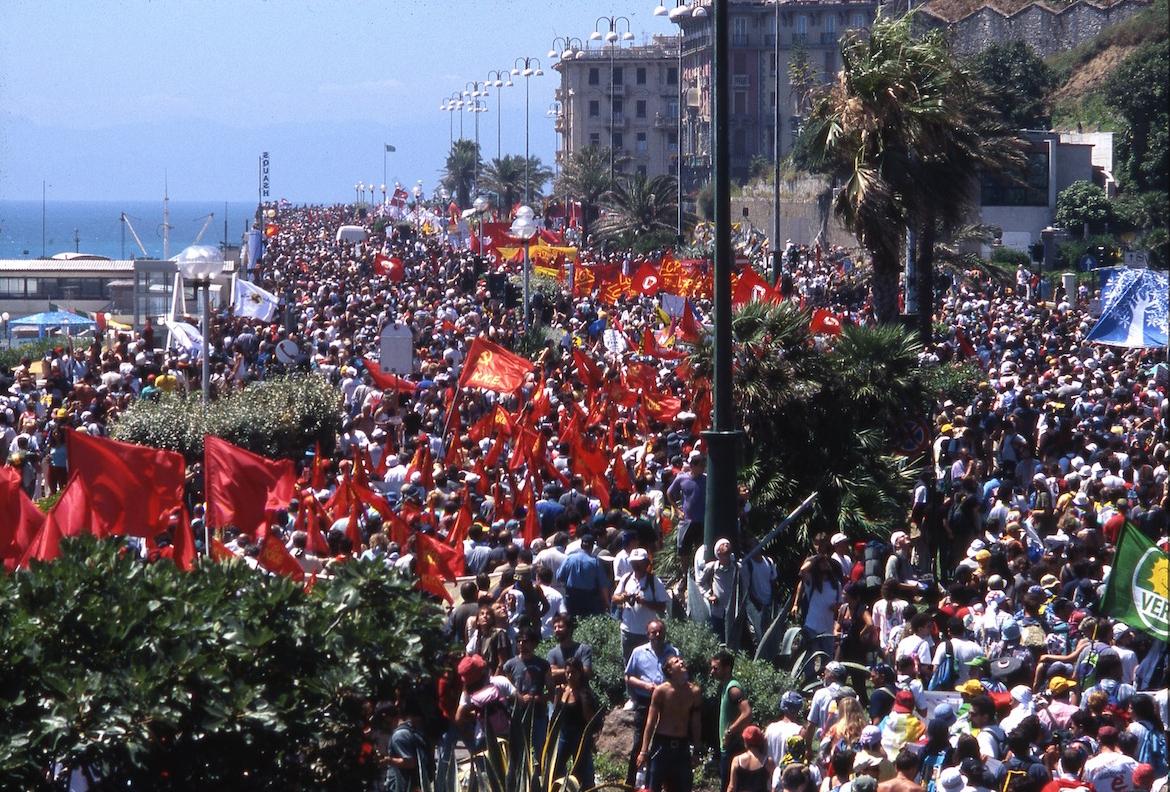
(154, 679)
(278, 418)
(762, 682)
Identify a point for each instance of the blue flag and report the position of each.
(1134, 310)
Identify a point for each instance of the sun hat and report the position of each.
(1059, 684)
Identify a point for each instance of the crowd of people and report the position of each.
(966, 651)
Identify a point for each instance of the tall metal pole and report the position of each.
(721, 508)
(527, 285)
(475, 112)
(679, 140)
(777, 254)
(499, 116)
(527, 201)
(206, 373)
(611, 55)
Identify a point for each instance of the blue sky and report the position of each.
(100, 98)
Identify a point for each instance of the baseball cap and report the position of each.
(971, 687)
(897, 536)
(904, 701)
(791, 701)
(470, 665)
(639, 554)
(867, 761)
(1119, 629)
(951, 780)
(1049, 581)
(838, 538)
(1059, 684)
(871, 737)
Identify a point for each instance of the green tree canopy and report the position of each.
(1137, 91)
(463, 161)
(638, 206)
(505, 177)
(1018, 82)
(585, 178)
(144, 677)
(1082, 205)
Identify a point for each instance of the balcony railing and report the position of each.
(665, 121)
(618, 89)
(829, 37)
(741, 81)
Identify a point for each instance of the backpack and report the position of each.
(945, 673)
(1152, 749)
(932, 765)
(873, 561)
(1087, 670)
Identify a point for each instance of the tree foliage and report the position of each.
(1018, 82)
(1137, 91)
(638, 206)
(143, 677)
(905, 130)
(505, 177)
(463, 162)
(824, 422)
(277, 418)
(585, 177)
(1082, 204)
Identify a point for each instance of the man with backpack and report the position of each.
(952, 657)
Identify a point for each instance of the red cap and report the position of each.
(1107, 735)
(753, 737)
(471, 665)
(904, 701)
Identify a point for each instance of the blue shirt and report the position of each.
(582, 571)
(646, 665)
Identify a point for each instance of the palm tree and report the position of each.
(585, 178)
(463, 162)
(902, 130)
(638, 206)
(817, 421)
(505, 177)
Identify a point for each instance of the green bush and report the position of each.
(957, 381)
(278, 418)
(150, 678)
(695, 642)
(1010, 256)
(34, 350)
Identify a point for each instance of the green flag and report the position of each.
(390, 148)
(1138, 591)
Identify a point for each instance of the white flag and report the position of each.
(186, 337)
(251, 301)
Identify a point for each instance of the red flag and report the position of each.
(243, 488)
(531, 518)
(219, 552)
(389, 267)
(646, 280)
(353, 530)
(20, 519)
(621, 475)
(750, 287)
(317, 479)
(70, 516)
(589, 371)
(317, 544)
(491, 367)
(386, 381)
(423, 464)
(183, 542)
(688, 329)
(826, 322)
(496, 423)
(435, 562)
(661, 407)
(275, 557)
(462, 526)
(133, 489)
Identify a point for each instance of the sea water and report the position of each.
(95, 227)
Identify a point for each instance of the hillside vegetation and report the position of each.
(1083, 73)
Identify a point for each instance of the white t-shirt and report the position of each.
(914, 646)
(964, 650)
(1111, 771)
(636, 619)
(776, 735)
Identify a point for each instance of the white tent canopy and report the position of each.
(351, 233)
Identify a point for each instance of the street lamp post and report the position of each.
(613, 39)
(777, 253)
(474, 89)
(524, 228)
(721, 438)
(681, 11)
(5, 318)
(500, 78)
(199, 263)
(528, 67)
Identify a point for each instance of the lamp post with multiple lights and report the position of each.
(451, 104)
(474, 90)
(682, 10)
(613, 39)
(526, 68)
(499, 78)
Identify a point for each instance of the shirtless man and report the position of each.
(672, 727)
(906, 764)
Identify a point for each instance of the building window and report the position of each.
(739, 142)
(640, 143)
(1001, 190)
(672, 75)
(618, 76)
(830, 23)
(772, 99)
(594, 108)
(641, 171)
(594, 138)
(801, 24)
(740, 64)
(594, 76)
(830, 64)
(740, 103)
(619, 106)
(672, 139)
(640, 75)
(859, 21)
(739, 31)
(640, 108)
(772, 63)
(617, 140)
(671, 106)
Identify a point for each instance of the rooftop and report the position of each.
(954, 10)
